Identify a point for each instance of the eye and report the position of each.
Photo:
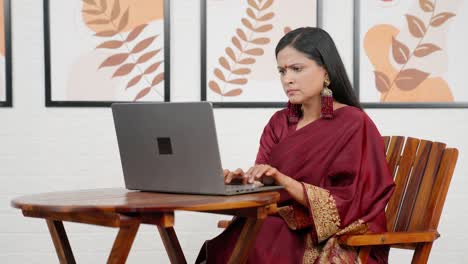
(296, 69)
(281, 71)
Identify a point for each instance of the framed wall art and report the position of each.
(238, 42)
(103, 51)
(411, 54)
(5, 54)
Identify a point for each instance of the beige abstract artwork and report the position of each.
(412, 51)
(104, 51)
(241, 38)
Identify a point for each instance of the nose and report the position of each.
(287, 79)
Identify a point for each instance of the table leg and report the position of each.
(60, 239)
(246, 240)
(171, 243)
(122, 244)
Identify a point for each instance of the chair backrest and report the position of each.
(422, 174)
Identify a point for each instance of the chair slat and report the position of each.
(409, 198)
(386, 140)
(440, 189)
(425, 188)
(393, 153)
(406, 161)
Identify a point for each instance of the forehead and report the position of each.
(290, 55)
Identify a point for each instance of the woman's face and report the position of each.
(301, 77)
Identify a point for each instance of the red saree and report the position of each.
(341, 165)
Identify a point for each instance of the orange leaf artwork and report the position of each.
(135, 32)
(247, 43)
(439, 19)
(382, 82)
(147, 56)
(224, 62)
(425, 49)
(242, 71)
(218, 73)
(124, 69)
(416, 26)
(264, 28)
(112, 44)
(214, 87)
(114, 60)
(235, 92)
(115, 10)
(247, 61)
(253, 4)
(123, 21)
(410, 79)
(143, 44)
(92, 12)
(121, 26)
(400, 51)
(266, 17)
(134, 81)
(238, 81)
(426, 5)
(142, 93)
(107, 33)
(241, 34)
(260, 41)
(255, 52)
(267, 5)
(231, 54)
(237, 43)
(98, 22)
(153, 67)
(158, 79)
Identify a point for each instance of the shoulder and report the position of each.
(354, 117)
(279, 116)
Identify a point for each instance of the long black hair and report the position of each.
(318, 46)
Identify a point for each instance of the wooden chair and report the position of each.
(422, 176)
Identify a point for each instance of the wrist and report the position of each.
(283, 180)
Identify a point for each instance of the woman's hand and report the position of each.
(265, 174)
(235, 177)
(269, 175)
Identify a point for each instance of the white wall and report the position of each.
(48, 149)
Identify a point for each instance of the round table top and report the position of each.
(121, 200)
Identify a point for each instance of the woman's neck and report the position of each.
(311, 110)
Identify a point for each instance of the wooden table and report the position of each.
(126, 210)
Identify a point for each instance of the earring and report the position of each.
(326, 101)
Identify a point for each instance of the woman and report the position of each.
(328, 155)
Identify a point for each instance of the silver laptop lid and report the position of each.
(170, 147)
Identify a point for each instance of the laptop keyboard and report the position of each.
(241, 188)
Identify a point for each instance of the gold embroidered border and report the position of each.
(356, 227)
(324, 211)
(311, 252)
(287, 213)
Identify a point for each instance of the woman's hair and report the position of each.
(318, 46)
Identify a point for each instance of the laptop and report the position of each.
(172, 147)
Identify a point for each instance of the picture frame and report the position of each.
(405, 56)
(98, 52)
(6, 75)
(237, 49)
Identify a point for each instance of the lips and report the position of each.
(289, 91)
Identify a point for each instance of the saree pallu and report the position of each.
(341, 165)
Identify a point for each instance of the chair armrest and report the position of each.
(388, 238)
(223, 223)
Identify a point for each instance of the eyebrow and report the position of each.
(289, 66)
